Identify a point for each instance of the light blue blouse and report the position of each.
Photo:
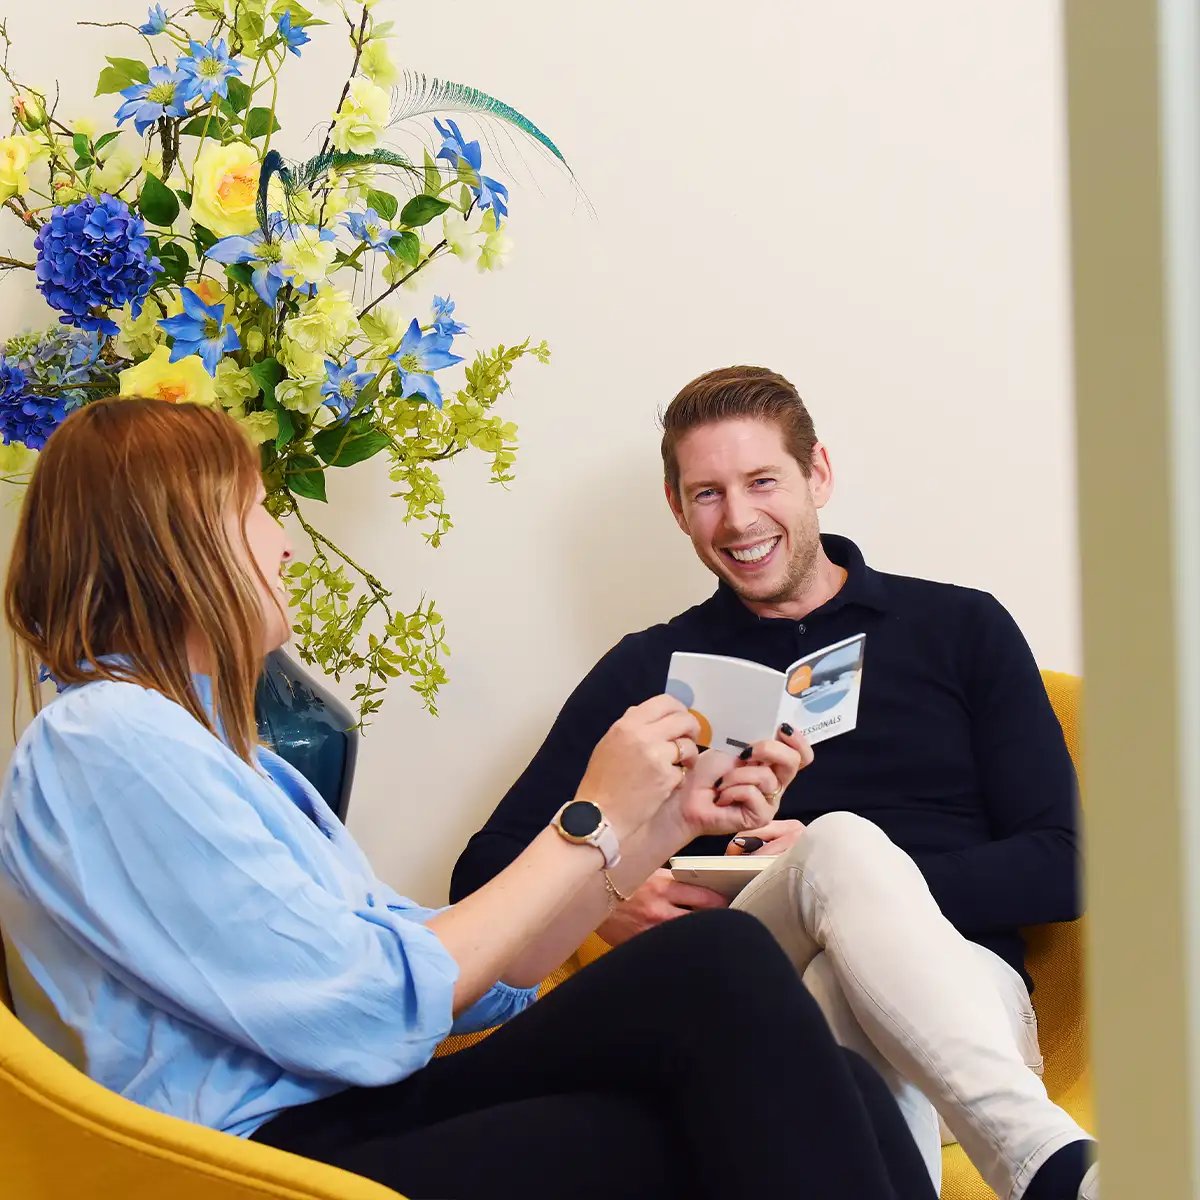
(180, 928)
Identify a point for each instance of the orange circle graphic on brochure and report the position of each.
(704, 737)
(799, 681)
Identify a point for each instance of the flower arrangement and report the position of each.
(188, 260)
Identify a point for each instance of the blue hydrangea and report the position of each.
(94, 255)
(66, 363)
(24, 417)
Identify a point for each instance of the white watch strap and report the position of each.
(605, 840)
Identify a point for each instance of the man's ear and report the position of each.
(676, 506)
(820, 477)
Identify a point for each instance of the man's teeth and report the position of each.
(754, 553)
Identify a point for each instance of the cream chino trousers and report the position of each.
(948, 1024)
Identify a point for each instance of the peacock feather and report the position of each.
(420, 94)
(308, 174)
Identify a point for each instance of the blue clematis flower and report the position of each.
(267, 277)
(165, 95)
(443, 317)
(156, 21)
(211, 68)
(200, 329)
(343, 386)
(369, 227)
(419, 355)
(456, 150)
(295, 38)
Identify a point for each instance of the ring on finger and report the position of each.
(679, 751)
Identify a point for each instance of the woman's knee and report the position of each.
(728, 960)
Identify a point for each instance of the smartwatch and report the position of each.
(583, 824)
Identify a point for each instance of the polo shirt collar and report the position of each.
(864, 586)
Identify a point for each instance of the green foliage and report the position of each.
(159, 205)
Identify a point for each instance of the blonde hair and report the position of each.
(122, 549)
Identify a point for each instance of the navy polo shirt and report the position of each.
(957, 755)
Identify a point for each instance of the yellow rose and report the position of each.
(182, 382)
(299, 362)
(225, 188)
(358, 125)
(324, 322)
(140, 335)
(235, 385)
(497, 245)
(208, 289)
(259, 427)
(306, 258)
(300, 395)
(15, 458)
(16, 153)
(377, 64)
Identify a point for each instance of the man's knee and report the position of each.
(844, 848)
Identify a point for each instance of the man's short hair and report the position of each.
(737, 393)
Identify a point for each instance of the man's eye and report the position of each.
(766, 481)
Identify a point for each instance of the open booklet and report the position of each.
(739, 702)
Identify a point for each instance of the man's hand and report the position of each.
(661, 898)
(775, 837)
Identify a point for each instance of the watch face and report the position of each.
(580, 818)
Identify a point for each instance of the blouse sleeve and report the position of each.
(140, 842)
(498, 1004)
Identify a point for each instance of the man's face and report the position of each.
(748, 508)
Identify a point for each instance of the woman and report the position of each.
(188, 923)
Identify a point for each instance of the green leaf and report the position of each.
(342, 259)
(159, 205)
(185, 198)
(406, 248)
(80, 144)
(259, 122)
(197, 125)
(384, 203)
(133, 70)
(420, 210)
(108, 137)
(239, 95)
(204, 238)
(304, 476)
(267, 372)
(175, 262)
(111, 80)
(241, 273)
(433, 177)
(354, 442)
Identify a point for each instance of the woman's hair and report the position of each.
(122, 548)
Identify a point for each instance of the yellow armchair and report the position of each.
(1055, 960)
(63, 1135)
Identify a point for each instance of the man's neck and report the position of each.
(825, 581)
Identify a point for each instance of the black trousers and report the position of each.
(689, 1062)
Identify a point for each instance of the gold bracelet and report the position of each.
(612, 887)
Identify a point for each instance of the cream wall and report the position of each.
(868, 197)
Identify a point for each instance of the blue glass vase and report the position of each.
(309, 727)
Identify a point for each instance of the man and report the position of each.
(914, 847)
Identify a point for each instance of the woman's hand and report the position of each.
(775, 837)
(723, 795)
(639, 762)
